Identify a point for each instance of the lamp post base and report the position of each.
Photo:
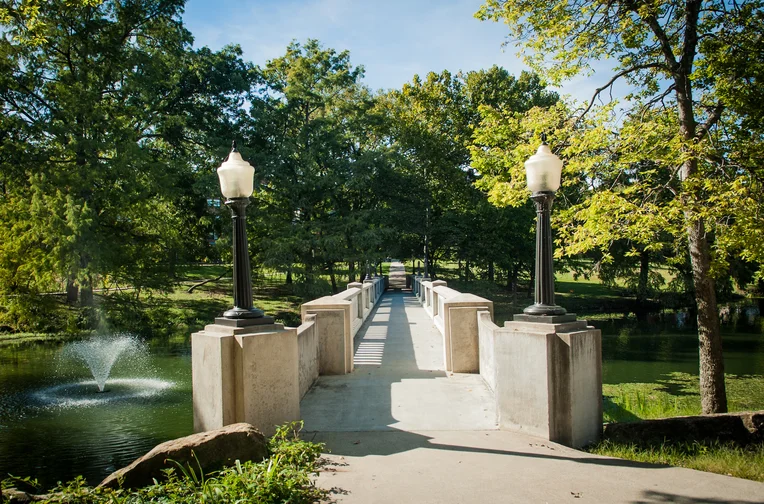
(544, 309)
(243, 313)
(545, 319)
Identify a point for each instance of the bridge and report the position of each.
(401, 423)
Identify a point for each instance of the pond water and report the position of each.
(55, 425)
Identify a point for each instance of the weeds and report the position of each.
(285, 476)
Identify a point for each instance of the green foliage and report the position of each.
(666, 165)
(285, 476)
(108, 114)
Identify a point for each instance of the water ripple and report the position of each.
(85, 394)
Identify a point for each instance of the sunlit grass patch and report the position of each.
(721, 458)
(677, 394)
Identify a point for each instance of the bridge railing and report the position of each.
(454, 314)
(330, 323)
(546, 375)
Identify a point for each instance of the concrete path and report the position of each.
(400, 430)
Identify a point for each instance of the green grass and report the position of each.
(29, 337)
(286, 476)
(728, 459)
(676, 395)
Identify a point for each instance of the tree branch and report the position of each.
(713, 118)
(612, 81)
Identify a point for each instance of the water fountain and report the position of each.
(100, 354)
(88, 407)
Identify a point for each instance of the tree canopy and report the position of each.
(667, 165)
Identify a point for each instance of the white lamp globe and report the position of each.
(236, 176)
(543, 170)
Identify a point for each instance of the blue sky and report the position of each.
(392, 39)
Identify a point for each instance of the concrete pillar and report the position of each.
(423, 286)
(245, 371)
(358, 299)
(434, 301)
(461, 332)
(549, 378)
(335, 336)
(368, 288)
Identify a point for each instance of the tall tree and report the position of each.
(688, 53)
(313, 123)
(111, 117)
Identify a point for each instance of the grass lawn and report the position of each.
(676, 395)
(728, 459)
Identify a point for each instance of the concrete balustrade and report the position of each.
(545, 372)
(454, 314)
(245, 371)
(256, 371)
(338, 319)
(546, 376)
(307, 344)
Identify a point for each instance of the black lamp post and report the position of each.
(543, 171)
(237, 184)
(368, 271)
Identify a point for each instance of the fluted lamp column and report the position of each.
(543, 172)
(237, 184)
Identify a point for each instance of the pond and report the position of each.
(55, 425)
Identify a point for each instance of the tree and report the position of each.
(111, 118)
(687, 54)
(313, 126)
(433, 121)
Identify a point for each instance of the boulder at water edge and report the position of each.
(213, 449)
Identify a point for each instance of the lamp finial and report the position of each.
(543, 139)
(233, 146)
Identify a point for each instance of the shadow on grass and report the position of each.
(677, 386)
(617, 413)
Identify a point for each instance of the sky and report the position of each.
(392, 39)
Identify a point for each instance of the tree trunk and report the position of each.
(72, 292)
(644, 270)
(333, 278)
(467, 270)
(351, 272)
(713, 394)
(491, 274)
(86, 293)
(289, 276)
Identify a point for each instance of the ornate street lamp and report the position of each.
(543, 171)
(236, 184)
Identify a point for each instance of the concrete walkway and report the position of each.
(400, 430)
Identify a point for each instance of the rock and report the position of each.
(15, 496)
(11, 495)
(214, 449)
(740, 428)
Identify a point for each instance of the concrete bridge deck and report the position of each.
(399, 430)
